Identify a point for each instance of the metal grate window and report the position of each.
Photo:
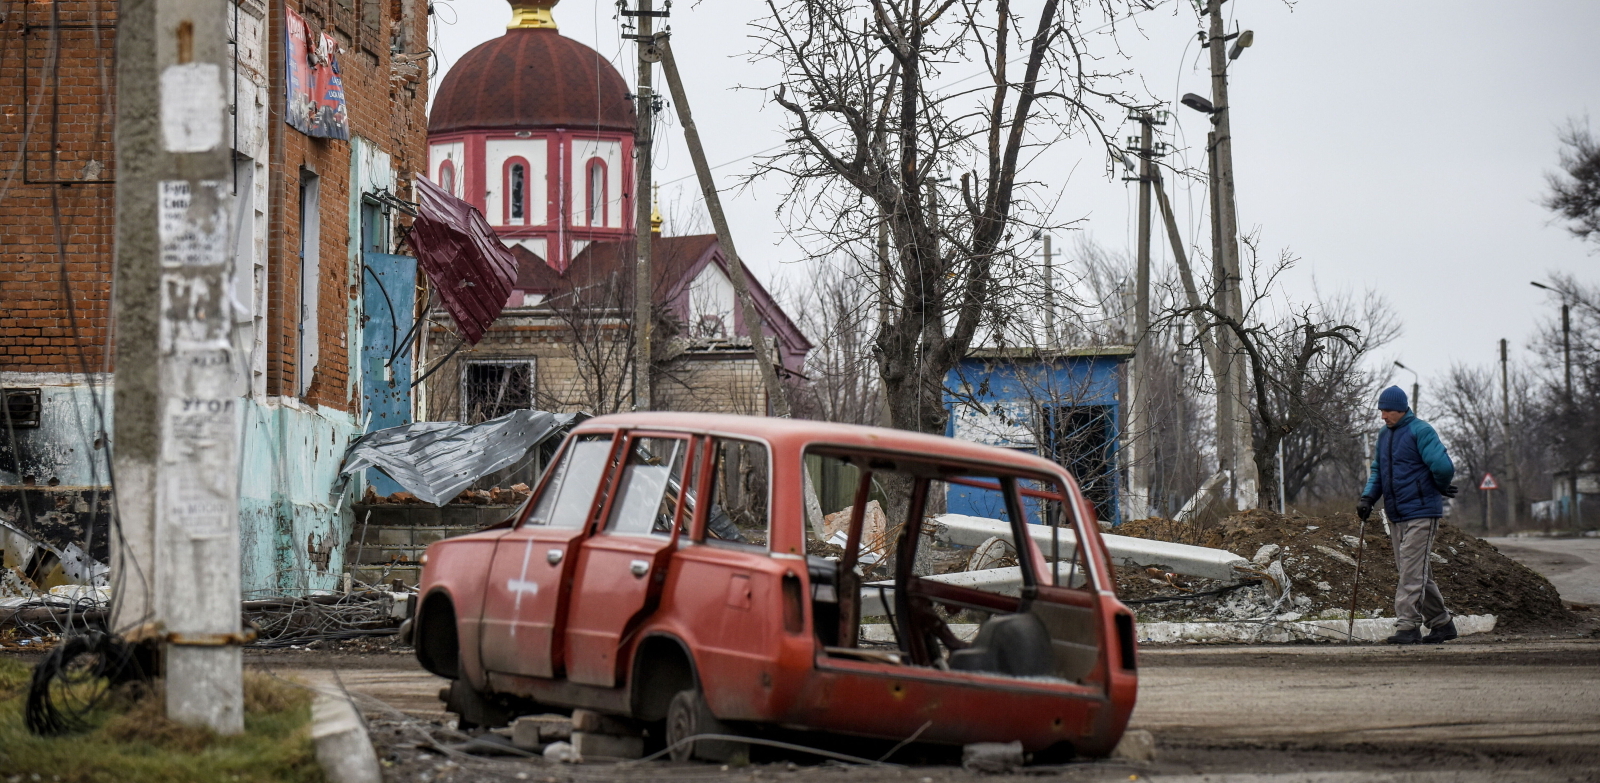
(493, 389)
(1083, 438)
(23, 408)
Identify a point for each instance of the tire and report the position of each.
(687, 716)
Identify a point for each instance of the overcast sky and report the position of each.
(1394, 146)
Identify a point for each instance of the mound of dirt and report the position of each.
(1317, 555)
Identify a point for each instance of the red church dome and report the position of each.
(532, 77)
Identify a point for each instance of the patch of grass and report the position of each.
(133, 741)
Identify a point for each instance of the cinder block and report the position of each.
(1136, 745)
(391, 536)
(532, 731)
(607, 746)
(595, 723)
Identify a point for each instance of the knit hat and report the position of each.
(1392, 399)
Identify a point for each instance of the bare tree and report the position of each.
(1305, 369)
(593, 314)
(1575, 190)
(843, 381)
(872, 137)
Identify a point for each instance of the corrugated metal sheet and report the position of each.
(468, 266)
(436, 460)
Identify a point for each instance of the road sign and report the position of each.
(1488, 482)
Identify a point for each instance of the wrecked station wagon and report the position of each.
(676, 571)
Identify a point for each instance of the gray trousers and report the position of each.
(1417, 600)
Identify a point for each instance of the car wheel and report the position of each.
(688, 716)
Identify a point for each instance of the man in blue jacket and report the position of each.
(1411, 471)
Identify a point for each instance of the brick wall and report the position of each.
(56, 225)
(592, 377)
(55, 239)
(385, 108)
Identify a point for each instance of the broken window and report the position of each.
(647, 499)
(516, 193)
(1082, 439)
(897, 582)
(490, 390)
(739, 482)
(567, 495)
(23, 408)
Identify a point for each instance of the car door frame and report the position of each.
(660, 558)
(555, 657)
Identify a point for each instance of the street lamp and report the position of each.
(1416, 385)
(1566, 373)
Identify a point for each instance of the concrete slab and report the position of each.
(1199, 561)
(1374, 630)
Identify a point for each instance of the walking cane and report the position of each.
(1355, 589)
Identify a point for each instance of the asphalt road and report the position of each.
(1493, 710)
(1571, 564)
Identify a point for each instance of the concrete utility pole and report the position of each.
(1573, 498)
(1234, 421)
(1513, 488)
(643, 290)
(177, 425)
(1050, 340)
(1139, 418)
(776, 396)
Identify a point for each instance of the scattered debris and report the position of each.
(994, 758)
(436, 460)
(1318, 551)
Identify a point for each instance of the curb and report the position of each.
(343, 748)
(1370, 630)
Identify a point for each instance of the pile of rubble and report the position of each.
(1304, 568)
(493, 496)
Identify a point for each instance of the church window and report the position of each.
(597, 193)
(517, 189)
(447, 177)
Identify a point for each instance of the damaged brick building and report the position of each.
(329, 106)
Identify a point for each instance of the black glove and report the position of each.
(1364, 508)
(1450, 491)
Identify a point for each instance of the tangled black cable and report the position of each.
(76, 677)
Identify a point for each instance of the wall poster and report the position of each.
(315, 90)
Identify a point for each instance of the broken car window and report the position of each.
(644, 505)
(570, 491)
(738, 508)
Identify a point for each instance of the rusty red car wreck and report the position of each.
(691, 574)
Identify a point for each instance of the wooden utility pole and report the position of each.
(643, 289)
(1235, 439)
(1137, 441)
(176, 450)
(777, 398)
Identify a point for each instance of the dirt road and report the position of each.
(1495, 710)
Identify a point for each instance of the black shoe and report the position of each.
(1406, 636)
(1442, 634)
